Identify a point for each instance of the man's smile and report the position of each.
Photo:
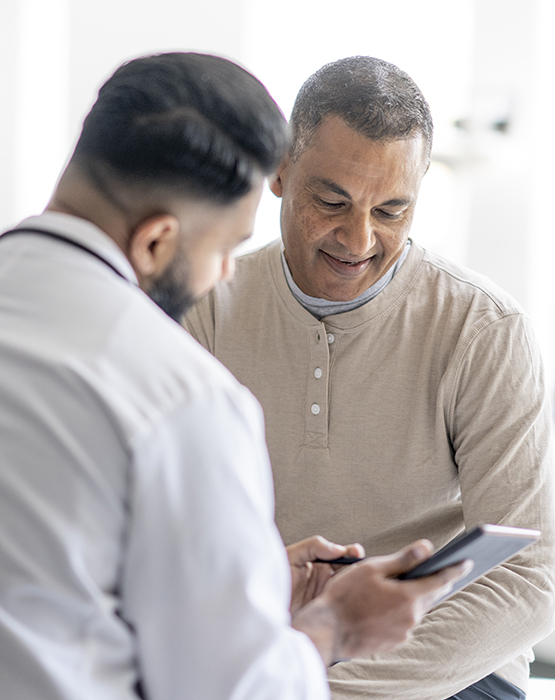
(344, 266)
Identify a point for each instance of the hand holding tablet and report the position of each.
(486, 545)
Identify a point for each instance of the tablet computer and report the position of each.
(487, 546)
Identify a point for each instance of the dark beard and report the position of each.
(172, 295)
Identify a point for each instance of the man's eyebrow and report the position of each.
(401, 202)
(330, 185)
(336, 189)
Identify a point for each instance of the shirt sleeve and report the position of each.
(206, 584)
(499, 423)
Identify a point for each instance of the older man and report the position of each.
(403, 395)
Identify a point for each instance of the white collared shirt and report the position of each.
(136, 508)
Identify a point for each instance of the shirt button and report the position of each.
(330, 338)
(315, 409)
(317, 373)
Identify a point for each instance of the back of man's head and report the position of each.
(373, 97)
(192, 123)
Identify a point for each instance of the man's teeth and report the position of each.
(346, 262)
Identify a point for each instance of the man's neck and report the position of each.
(77, 196)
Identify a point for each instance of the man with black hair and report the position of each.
(403, 395)
(138, 554)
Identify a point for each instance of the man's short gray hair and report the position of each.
(373, 97)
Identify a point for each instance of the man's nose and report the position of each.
(357, 235)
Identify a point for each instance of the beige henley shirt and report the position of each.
(419, 414)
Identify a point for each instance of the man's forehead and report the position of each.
(335, 139)
(334, 166)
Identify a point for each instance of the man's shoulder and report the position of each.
(254, 268)
(455, 282)
(232, 303)
(153, 366)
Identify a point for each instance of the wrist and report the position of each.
(319, 622)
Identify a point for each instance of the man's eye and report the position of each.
(388, 214)
(330, 205)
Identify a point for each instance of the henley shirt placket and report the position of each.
(321, 345)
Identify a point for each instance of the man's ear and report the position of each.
(153, 245)
(276, 181)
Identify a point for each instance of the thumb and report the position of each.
(407, 558)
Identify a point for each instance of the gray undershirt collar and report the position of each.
(323, 307)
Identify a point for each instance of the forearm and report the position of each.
(466, 638)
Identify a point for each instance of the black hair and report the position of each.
(373, 97)
(188, 121)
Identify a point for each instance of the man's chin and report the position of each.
(174, 304)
